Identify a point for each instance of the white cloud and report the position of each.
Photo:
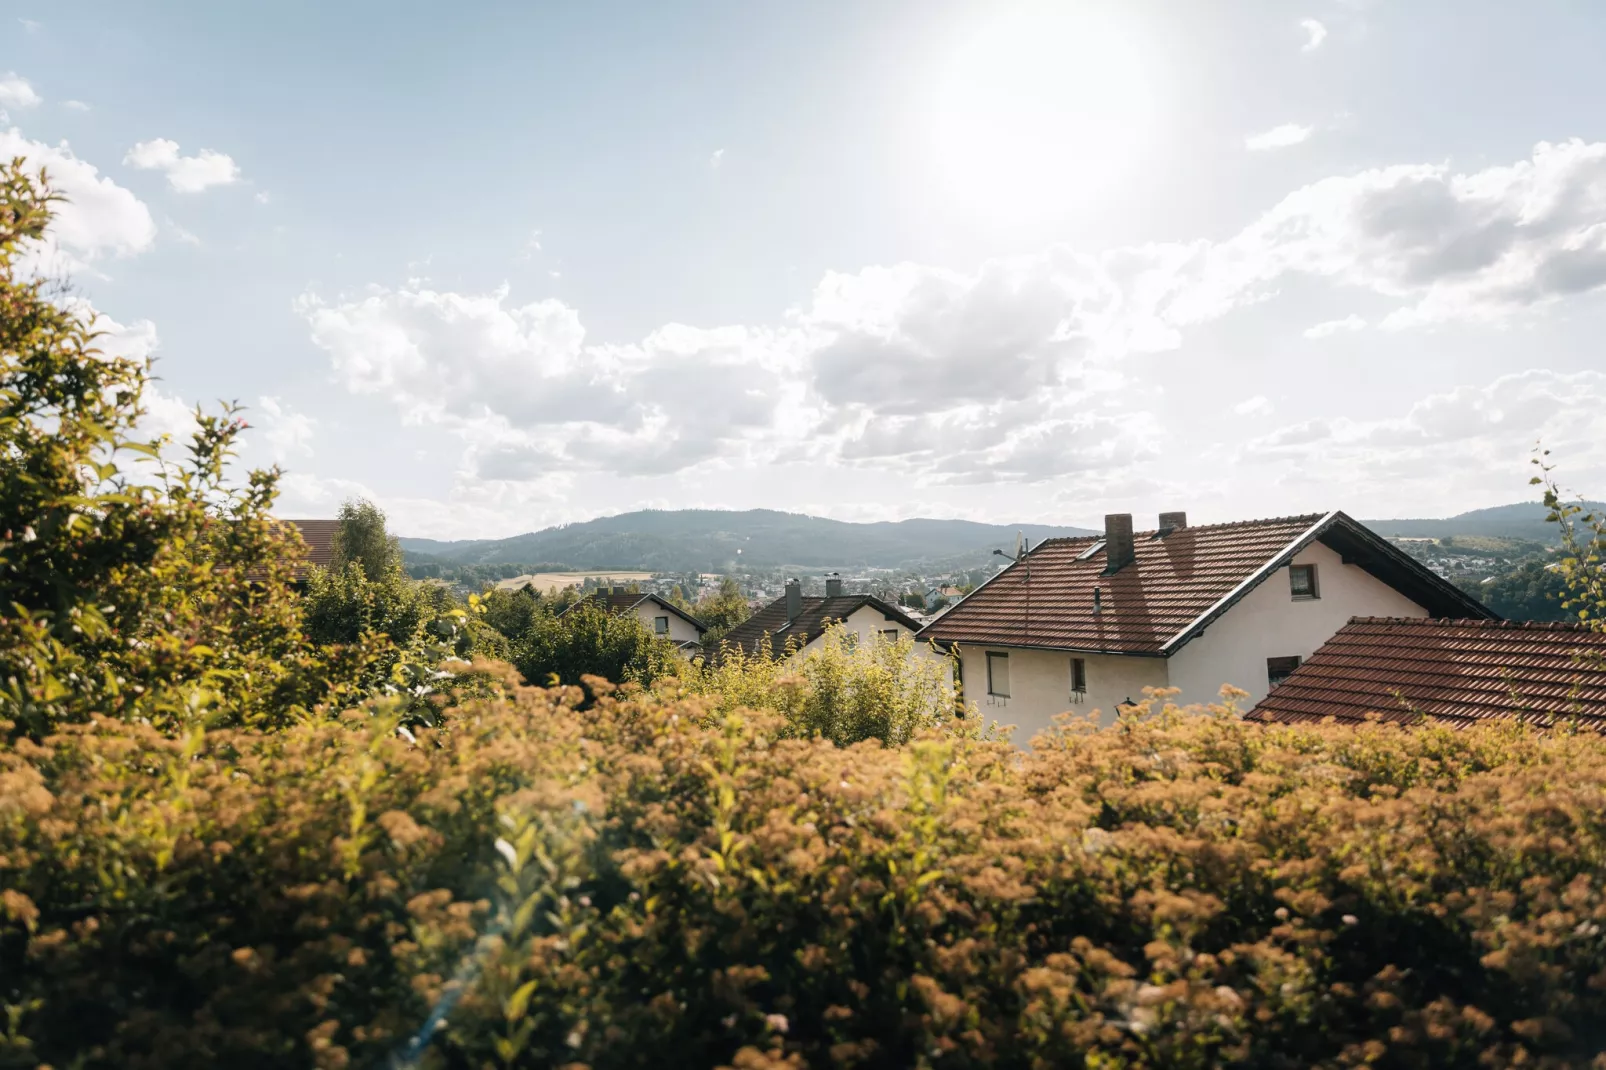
(31, 25)
(717, 158)
(15, 92)
(1278, 137)
(287, 433)
(1315, 34)
(1478, 246)
(532, 245)
(188, 237)
(262, 197)
(98, 218)
(1011, 373)
(1449, 447)
(185, 174)
(1259, 405)
(75, 105)
(1326, 328)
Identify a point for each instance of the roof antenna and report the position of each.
(1098, 600)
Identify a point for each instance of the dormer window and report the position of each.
(1302, 582)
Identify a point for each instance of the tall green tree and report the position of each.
(589, 641)
(132, 584)
(362, 539)
(722, 610)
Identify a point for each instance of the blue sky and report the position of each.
(498, 266)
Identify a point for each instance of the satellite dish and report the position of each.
(1020, 546)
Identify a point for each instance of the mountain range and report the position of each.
(713, 540)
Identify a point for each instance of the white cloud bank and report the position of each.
(1015, 372)
(98, 218)
(185, 174)
(1315, 34)
(15, 92)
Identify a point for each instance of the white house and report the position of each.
(1087, 623)
(660, 616)
(798, 623)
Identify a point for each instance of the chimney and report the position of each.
(833, 585)
(794, 600)
(1118, 550)
(1170, 522)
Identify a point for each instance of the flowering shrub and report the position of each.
(655, 883)
(842, 690)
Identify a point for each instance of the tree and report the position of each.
(722, 610)
(131, 584)
(1532, 592)
(361, 539)
(590, 641)
(1583, 541)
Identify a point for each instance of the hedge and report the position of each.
(649, 883)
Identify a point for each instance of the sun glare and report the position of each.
(1035, 111)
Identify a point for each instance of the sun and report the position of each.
(1037, 110)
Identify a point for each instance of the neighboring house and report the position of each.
(659, 615)
(1087, 623)
(319, 535)
(799, 623)
(940, 597)
(1458, 671)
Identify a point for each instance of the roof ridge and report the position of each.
(1297, 518)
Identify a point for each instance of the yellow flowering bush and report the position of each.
(653, 881)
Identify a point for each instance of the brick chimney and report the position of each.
(1118, 549)
(833, 585)
(1170, 522)
(794, 600)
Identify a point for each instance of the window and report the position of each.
(1078, 679)
(660, 625)
(998, 674)
(1280, 669)
(890, 635)
(1302, 581)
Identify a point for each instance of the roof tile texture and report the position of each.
(1456, 670)
(810, 623)
(1173, 580)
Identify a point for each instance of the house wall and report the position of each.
(866, 622)
(680, 630)
(1040, 685)
(1268, 622)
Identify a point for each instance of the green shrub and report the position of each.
(842, 690)
(652, 884)
(587, 640)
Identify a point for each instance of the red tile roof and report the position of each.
(1461, 671)
(1176, 585)
(817, 613)
(319, 535)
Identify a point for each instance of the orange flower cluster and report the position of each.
(655, 882)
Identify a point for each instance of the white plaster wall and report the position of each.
(1040, 685)
(680, 630)
(866, 622)
(1268, 623)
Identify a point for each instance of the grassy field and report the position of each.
(545, 581)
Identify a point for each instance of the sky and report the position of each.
(498, 266)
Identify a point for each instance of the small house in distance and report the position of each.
(1457, 671)
(799, 623)
(659, 615)
(319, 536)
(1087, 623)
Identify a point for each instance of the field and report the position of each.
(545, 581)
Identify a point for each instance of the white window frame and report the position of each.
(1002, 657)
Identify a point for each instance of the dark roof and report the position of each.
(1462, 671)
(1176, 586)
(816, 615)
(319, 536)
(624, 603)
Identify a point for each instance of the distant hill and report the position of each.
(710, 540)
(1524, 520)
